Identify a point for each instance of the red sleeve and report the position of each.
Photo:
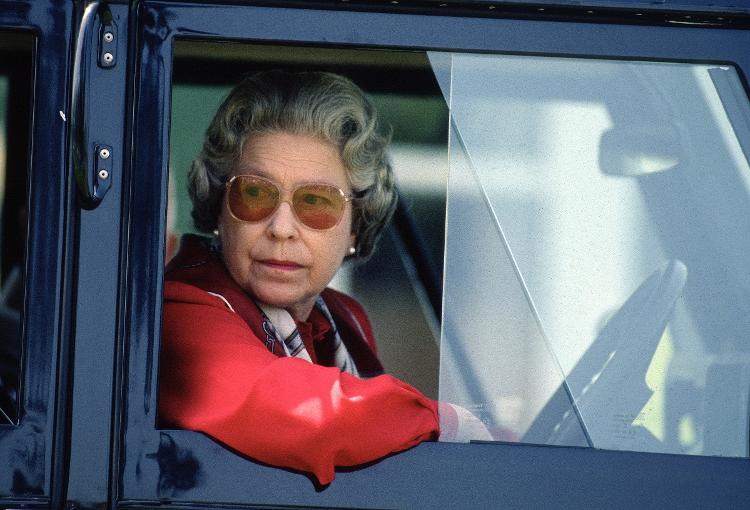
(217, 377)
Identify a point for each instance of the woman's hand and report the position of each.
(459, 425)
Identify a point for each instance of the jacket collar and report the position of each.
(198, 263)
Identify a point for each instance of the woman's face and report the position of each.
(278, 260)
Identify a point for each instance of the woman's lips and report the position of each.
(282, 265)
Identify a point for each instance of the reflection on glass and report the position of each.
(9, 317)
(15, 86)
(618, 192)
(492, 342)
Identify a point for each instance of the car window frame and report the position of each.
(149, 454)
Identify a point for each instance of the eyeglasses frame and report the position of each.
(348, 197)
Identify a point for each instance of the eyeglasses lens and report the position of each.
(318, 207)
(251, 199)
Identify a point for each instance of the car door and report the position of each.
(35, 42)
(184, 467)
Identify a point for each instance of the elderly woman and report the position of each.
(257, 352)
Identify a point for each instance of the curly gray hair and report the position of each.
(325, 105)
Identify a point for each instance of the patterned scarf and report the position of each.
(282, 336)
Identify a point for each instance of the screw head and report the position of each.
(108, 58)
(103, 174)
(104, 153)
(109, 37)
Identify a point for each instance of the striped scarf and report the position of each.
(282, 334)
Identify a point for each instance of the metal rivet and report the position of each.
(104, 153)
(103, 174)
(109, 37)
(108, 58)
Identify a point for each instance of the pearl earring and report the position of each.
(352, 250)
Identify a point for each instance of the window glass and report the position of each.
(597, 288)
(15, 72)
(409, 102)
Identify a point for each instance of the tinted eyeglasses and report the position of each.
(318, 206)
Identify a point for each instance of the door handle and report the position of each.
(91, 159)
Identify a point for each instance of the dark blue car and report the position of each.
(569, 259)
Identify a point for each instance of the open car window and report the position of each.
(596, 283)
(411, 109)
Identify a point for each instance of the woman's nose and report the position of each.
(283, 223)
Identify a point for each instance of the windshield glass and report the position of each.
(597, 289)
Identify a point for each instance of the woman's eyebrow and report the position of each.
(253, 170)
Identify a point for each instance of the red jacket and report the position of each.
(218, 377)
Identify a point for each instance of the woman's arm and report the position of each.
(217, 377)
